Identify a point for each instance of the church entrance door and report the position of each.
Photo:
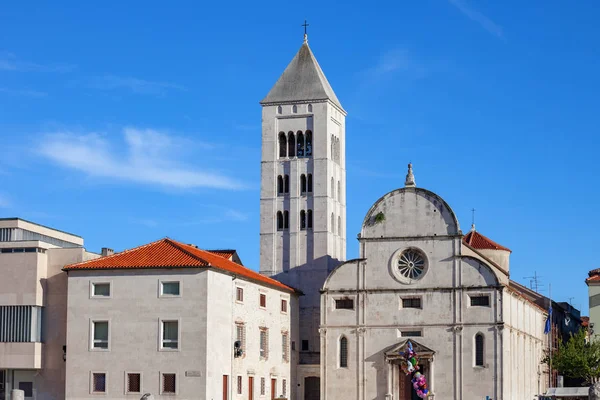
(312, 388)
(406, 390)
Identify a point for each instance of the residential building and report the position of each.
(33, 307)
(303, 195)
(420, 282)
(593, 283)
(170, 319)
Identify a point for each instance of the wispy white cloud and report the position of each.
(23, 92)
(478, 17)
(395, 61)
(135, 85)
(10, 62)
(149, 157)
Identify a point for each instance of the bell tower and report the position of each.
(303, 189)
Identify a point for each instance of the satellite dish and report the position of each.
(567, 321)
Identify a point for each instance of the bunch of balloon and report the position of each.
(411, 360)
(420, 385)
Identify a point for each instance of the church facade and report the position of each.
(418, 281)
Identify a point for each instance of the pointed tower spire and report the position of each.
(410, 178)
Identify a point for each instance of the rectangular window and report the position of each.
(100, 289)
(262, 386)
(239, 384)
(169, 289)
(304, 345)
(21, 324)
(100, 334)
(239, 294)
(240, 330)
(283, 306)
(134, 382)
(293, 345)
(284, 388)
(411, 333)
(264, 343)
(170, 334)
(26, 387)
(169, 384)
(344, 304)
(414, 302)
(284, 347)
(98, 382)
(263, 300)
(480, 301)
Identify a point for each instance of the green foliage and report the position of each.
(380, 217)
(577, 358)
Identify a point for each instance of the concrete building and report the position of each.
(303, 195)
(593, 283)
(33, 307)
(419, 279)
(170, 319)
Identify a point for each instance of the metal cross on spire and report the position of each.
(305, 25)
(473, 219)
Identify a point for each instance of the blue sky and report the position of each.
(128, 123)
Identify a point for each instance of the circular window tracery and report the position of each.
(409, 265)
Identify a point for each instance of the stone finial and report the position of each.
(305, 38)
(410, 178)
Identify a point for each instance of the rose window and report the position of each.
(411, 264)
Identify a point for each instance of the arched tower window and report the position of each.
(339, 230)
(282, 145)
(332, 145)
(308, 138)
(302, 220)
(302, 184)
(343, 352)
(279, 184)
(332, 223)
(291, 144)
(286, 220)
(300, 139)
(339, 192)
(479, 342)
(309, 184)
(332, 188)
(279, 110)
(279, 220)
(286, 184)
(309, 108)
(294, 109)
(309, 219)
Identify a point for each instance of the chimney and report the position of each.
(107, 252)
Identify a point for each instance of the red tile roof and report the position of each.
(223, 253)
(585, 321)
(168, 253)
(593, 276)
(478, 241)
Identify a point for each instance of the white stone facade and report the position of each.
(207, 313)
(445, 320)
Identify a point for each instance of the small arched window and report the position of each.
(286, 184)
(339, 231)
(279, 220)
(300, 139)
(294, 109)
(282, 144)
(302, 220)
(279, 109)
(309, 219)
(343, 352)
(279, 184)
(339, 192)
(308, 138)
(479, 342)
(332, 150)
(309, 184)
(332, 223)
(291, 144)
(286, 220)
(332, 188)
(309, 108)
(302, 184)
